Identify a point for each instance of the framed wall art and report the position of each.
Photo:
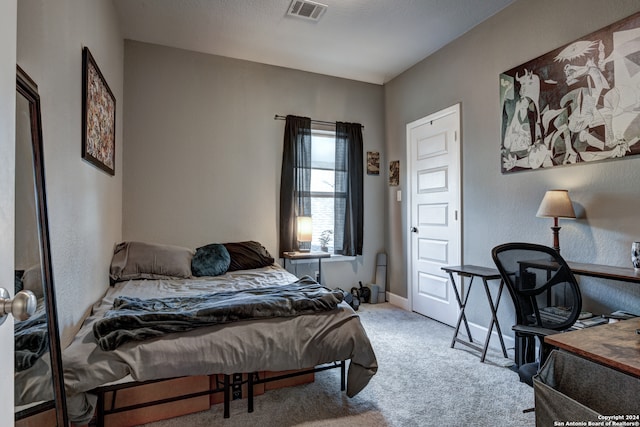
(98, 116)
(579, 103)
(394, 173)
(373, 163)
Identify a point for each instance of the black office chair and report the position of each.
(546, 297)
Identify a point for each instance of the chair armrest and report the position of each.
(534, 330)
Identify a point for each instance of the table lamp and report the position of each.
(305, 232)
(556, 204)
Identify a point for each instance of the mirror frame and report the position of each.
(26, 87)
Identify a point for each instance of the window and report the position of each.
(323, 163)
(335, 161)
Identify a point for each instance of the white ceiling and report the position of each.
(366, 40)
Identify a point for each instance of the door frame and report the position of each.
(456, 108)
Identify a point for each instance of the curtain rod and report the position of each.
(318, 122)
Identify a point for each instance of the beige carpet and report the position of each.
(421, 381)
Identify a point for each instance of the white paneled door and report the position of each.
(433, 147)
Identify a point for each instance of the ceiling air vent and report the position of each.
(307, 9)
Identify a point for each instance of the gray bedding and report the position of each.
(31, 339)
(137, 319)
(34, 384)
(272, 344)
(32, 379)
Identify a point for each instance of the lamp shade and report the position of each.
(305, 229)
(556, 204)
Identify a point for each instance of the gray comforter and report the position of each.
(136, 319)
(270, 344)
(31, 339)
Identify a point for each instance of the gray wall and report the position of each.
(499, 208)
(203, 154)
(85, 204)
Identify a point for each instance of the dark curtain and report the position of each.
(348, 228)
(295, 179)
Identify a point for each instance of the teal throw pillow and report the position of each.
(210, 260)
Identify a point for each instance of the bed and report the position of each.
(143, 272)
(32, 378)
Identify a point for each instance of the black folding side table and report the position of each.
(486, 274)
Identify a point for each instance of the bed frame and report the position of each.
(232, 387)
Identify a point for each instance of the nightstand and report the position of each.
(293, 256)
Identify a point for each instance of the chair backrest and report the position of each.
(545, 292)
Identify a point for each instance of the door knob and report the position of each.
(414, 229)
(22, 306)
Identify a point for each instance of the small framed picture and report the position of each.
(394, 173)
(98, 116)
(373, 163)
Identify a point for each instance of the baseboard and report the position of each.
(398, 301)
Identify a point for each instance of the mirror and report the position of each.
(38, 380)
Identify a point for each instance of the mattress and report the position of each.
(34, 385)
(33, 378)
(275, 344)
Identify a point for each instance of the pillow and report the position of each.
(138, 260)
(32, 281)
(18, 285)
(248, 255)
(210, 260)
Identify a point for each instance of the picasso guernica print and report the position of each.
(579, 103)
